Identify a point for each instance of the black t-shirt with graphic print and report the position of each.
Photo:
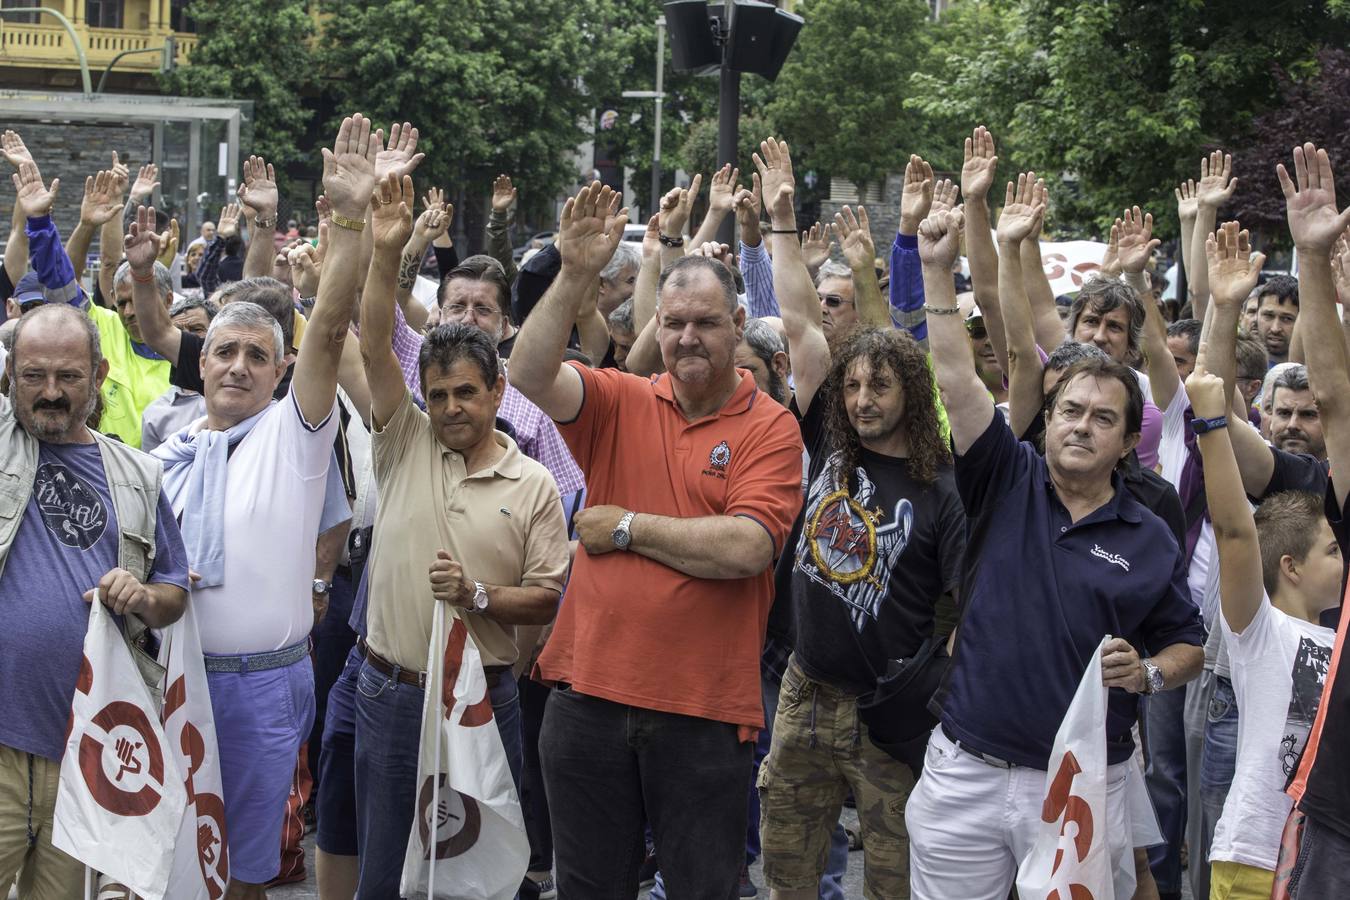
(866, 567)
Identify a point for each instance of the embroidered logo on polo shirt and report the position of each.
(718, 461)
(1114, 559)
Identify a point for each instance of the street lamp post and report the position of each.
(659, 95)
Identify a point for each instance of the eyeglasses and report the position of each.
(834, 301)
(479, 312)
(977, 332)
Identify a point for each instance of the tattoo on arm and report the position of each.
(408, 268)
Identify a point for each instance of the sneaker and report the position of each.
(543, 888)
(747, 887)
(647, 871)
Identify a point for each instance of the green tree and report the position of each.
(838, 99)
(255, 50)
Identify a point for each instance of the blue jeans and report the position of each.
(1219, 758)
(388, 731)
(335, 794)
(1166, 780)
(1322, 868)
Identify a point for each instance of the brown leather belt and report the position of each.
(419, 679)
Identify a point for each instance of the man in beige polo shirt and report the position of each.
(464, 518)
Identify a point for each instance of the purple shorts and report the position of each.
(261, 720)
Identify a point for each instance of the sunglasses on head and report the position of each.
(834, 301)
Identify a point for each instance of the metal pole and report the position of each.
(728, 114)
(116, 59)
(660, 87)
(70, 30)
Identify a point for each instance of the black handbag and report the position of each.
(896, 712)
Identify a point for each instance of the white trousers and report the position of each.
(971, 823)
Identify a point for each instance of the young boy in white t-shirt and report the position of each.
(1278, 570)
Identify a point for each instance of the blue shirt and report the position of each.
(67, 541)
(907, 287)
(1040, 593)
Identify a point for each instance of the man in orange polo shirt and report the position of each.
(694, 479)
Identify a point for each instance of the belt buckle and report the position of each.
(422, 681)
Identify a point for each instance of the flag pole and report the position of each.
(87, 879)
(436, 755)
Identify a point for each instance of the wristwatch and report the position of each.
(1153, 677)
(1204, 426)
(621, 536)
(321, 587)
(480, 597)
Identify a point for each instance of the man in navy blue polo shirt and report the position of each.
(1060, 555)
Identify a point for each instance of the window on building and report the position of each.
(179, 20)
(103, 13)
(25, 18)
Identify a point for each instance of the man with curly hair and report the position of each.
(880, 539)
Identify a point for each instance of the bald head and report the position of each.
(58, 329)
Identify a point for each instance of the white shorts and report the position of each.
(971, 823)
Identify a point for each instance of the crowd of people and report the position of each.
(742, 532)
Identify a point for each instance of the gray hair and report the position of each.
(70, 312)
(1294, 378)
(764, 340)
(621, 319)
(187, 304)
(1268, 386)
(683, 270)
(268, 293)
(1070, 352)
(163, 280)
(245, 314)
(832, 269)
(626, 256)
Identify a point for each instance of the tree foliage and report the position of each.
(240, 55)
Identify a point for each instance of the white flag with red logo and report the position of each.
(201, 867)
(120, 801)
(468, 836)
(1071, 858)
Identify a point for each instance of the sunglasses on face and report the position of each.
(834, 301)
(978, 333)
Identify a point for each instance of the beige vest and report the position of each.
(133, 481)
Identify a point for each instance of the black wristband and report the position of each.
(783, 231)
(671, 241)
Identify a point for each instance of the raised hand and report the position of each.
(722, 192)
(147, 179)
(102, 201)
(713, 250)
(227, 226)
(121, 174)
(323, 209)
(349, 168)
(1310, 201)
(651, 240)
(747, 204)
(1216, 183)
(777, 184)
(588, 235)
(1187, 204)
(306, 264)
(35, 198)
(1205, 390)
(391, 206)
(258, 190)
(1136, 242)
(940, 237)
(1233, 270)
(1022, 210)
(14, 149)
(168, 244)
(676, 206)
(855, 238)
(503, 194)
(916, 197)
(435, 220)
(1111, 258)
(1340, 267)
(944, 197)
(142, 243)
(977, 172)
(816, 246)
(400, 157)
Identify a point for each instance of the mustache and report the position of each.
(58, 405)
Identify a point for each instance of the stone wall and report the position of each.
(883, 216)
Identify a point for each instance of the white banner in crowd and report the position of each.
(1071, 858)
(120, 800)
(468, 836)
(1068, 264)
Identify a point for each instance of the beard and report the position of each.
(49, 428)
(778, 387)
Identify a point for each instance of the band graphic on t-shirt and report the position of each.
(71, 508)
(848, 548)
(1309, 675)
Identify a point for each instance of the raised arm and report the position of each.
(906, 287)
(504, 195)
(676, 207)
(1023, 208)
(797, 298)
(721, 201)
(46, 255)
(816, 246)
(977, 177)
(855, 240)
(102, 203)
(258, 192)
(1240, 582)
(644, 358)
(1187, 206)
(348, 182)
(586, 240)
(1214, 189)
(1316, 225)
(432, 223)
(391, 223)
(1049, 327)
(969, 406)
(16, 248)
(1135, 242)
(157, 329)
(756, 267)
